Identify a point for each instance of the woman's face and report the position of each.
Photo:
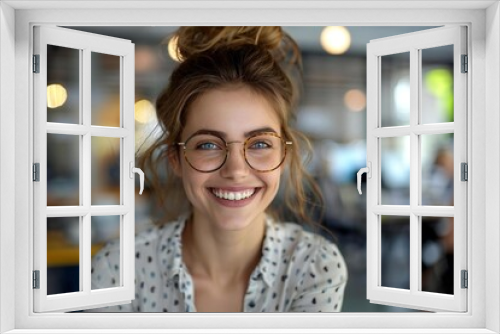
(234, 113)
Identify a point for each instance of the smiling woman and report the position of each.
(226, 145)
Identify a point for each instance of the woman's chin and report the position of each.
(233, 221)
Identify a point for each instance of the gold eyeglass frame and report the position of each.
(183, 144)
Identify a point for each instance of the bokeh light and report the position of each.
(145, 59)
(401, 96)
(172, 49)
(355, 100)
(144, 112)
(439, 83)
(56, 95)
(335, 40)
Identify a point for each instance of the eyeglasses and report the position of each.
(263, 152)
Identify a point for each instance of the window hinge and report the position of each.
(465, 279)
(36, 279)
(36, 63)
(36, 172)
(465, 64)
(464, 171)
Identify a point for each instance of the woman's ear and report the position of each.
(174, 160)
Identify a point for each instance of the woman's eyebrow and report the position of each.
(224, 135)
(264, 129)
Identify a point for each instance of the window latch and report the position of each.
(133, 170)
(368, 171)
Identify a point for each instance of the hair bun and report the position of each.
(194, 40)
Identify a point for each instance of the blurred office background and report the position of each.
(332, 113)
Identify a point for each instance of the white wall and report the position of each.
(492, 173)
(7, 160)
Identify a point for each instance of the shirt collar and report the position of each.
(271, 254)
(267, 268)
(171, 248)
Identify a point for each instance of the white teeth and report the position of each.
(233, 196)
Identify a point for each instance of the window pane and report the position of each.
(105, 171)
(63, 85)
(437, 169)
(395, 170)
(106, 232)
(437, 254)
(395, 236)
(105, 89)
(63, 170)
(395, 89)
(437, 84)
(63, 255)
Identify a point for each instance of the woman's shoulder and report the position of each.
(298, 236)
(147, 238)
(155, 234)
(308, 249)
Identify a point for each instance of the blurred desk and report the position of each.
(62, 253)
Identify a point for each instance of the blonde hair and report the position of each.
(266, 60)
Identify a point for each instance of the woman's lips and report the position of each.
(234, 196)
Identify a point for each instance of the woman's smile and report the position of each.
(231, 197)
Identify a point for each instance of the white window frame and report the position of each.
(413, 44)
(16, 214)
(85, 44)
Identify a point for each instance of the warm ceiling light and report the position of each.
(145, 59)
(144, 112)
(335, 40)
(355, 100)
(56, 95)
(173, 50)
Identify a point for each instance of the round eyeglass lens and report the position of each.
(205, 152)
(264, 152)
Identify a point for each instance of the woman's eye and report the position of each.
(260, 145)
(207, 146)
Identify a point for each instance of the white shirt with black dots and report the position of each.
(298, 272)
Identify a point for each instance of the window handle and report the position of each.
(368, 171)
(133, 170)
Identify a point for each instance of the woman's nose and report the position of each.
(235, 165)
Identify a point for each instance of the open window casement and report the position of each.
(69, 193)
(401, 130)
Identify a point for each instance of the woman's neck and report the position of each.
(221, 256)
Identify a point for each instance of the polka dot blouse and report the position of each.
(298, 272)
